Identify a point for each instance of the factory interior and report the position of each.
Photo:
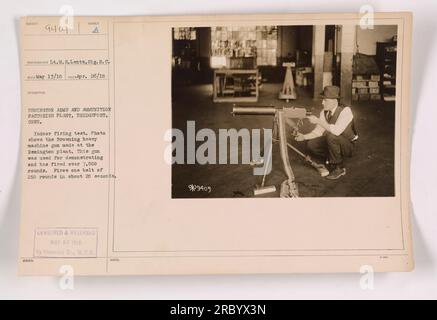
(216, 68)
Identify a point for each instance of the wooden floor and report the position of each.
(369, 173)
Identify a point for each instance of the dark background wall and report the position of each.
(291, 40)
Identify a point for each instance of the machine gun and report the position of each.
(282, 116)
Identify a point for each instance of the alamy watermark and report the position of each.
(66, 21)
(213, 147)
(367, 278)
(66, 282)
(367, 17)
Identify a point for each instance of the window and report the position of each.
(260, 42)
(184, 33)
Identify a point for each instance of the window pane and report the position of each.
(260, 41)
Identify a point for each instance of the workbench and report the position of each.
(235, 85)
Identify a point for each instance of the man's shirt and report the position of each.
(345, 117)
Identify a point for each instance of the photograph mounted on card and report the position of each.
(274, 143)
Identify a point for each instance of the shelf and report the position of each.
(386, 59)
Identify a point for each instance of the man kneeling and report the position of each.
(334, 135)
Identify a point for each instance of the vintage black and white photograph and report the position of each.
(283, 111)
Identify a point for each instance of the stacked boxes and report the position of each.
(366, 87)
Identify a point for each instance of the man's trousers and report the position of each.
(332, 147)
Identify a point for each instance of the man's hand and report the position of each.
(299, 137)
(313, 119)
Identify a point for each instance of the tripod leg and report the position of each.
(289, 187)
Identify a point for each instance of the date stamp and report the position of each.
(65, 243)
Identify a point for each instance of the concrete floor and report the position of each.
(370, 172)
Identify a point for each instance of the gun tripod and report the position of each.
(281, 117)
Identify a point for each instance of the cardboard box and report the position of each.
(359, 84)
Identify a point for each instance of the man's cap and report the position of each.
(331, 92)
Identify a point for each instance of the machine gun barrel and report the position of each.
(266, 111)
(289, 112)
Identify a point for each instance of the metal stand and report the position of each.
(288, 90)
